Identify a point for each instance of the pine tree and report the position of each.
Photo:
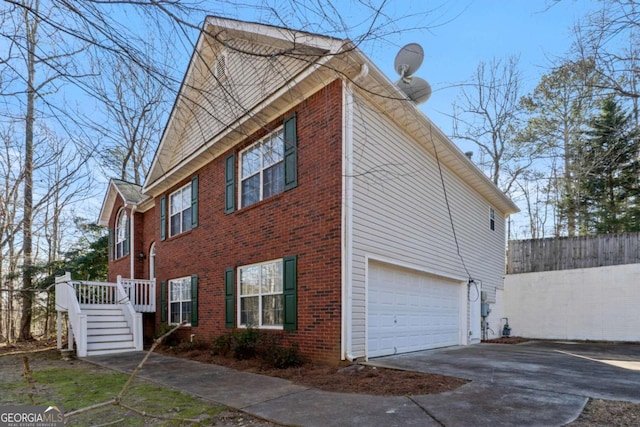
(609, 160)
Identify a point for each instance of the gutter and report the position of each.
(347, 215)
(132, 227)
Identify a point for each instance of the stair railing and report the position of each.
(133, 318)
(66, 300)
(70, 295)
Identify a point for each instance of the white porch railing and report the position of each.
(142, 293)
(131, 295)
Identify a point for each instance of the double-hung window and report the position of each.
(122, 235)
(180, 211)
(262, 169)
(261, 296)
(492, 219)
(180, 300)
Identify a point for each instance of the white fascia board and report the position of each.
(256, 32)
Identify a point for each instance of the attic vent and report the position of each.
(220, 68)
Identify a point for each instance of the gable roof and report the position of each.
(194, 135)
(129, 192)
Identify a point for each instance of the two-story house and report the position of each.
(297, 189)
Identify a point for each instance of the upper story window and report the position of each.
(122, 235)
(268, 167)
(492, 219)
(180, 211)
(262, 169)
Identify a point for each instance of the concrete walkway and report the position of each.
(503, 391)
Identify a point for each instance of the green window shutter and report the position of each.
(230, 184)
(289, 285)
(194, 201)
(163, 218)
(229, 298)
(163, 301)
(111, 243)
(194, 300)
(127, 229)
(290, 153)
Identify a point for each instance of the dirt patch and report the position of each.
(361, 379)
(608, 413)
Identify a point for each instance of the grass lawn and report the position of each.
(76, 385)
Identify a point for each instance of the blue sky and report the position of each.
(480, 30)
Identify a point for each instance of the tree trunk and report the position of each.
(27, 245)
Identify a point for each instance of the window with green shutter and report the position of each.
(229, 184)
(290, 153)
(229, 300)
(163, 301)
(290, 285)
(111, 243)
(269, 166)
(163, 218)
(194, 300)
(267, 294)
(194, 201)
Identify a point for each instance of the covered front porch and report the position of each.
(103, 317)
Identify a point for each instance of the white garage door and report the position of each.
(410, 311)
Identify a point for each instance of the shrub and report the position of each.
(246, 345)
(252, 343)
(282, 357)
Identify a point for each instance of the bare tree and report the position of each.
(610, 36)
(487, 114)
(135, 104)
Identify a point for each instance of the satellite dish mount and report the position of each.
(407, 62)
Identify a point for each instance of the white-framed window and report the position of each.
(122, 235)
(262, 169)
(180, 300)
(260, 297)
(152, 261)
(492, 219)
(180, 211)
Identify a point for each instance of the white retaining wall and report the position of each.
(600, 303)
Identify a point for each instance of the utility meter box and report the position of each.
(484, 309)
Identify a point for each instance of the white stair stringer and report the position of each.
(107, 330)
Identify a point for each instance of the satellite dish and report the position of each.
(417, 89)
(408, 60)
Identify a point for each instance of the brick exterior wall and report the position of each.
(304, 221)
(144, 227)
(120, 266)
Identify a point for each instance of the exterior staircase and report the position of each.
(107, 330)
(103, 318)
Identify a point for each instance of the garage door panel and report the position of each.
(410, 311)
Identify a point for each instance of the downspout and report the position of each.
(132, 258)
(347, 213)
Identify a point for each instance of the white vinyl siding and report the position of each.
(399, 213)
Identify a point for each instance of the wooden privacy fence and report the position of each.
(566, 253)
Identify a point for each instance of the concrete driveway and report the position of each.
(534, 383)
